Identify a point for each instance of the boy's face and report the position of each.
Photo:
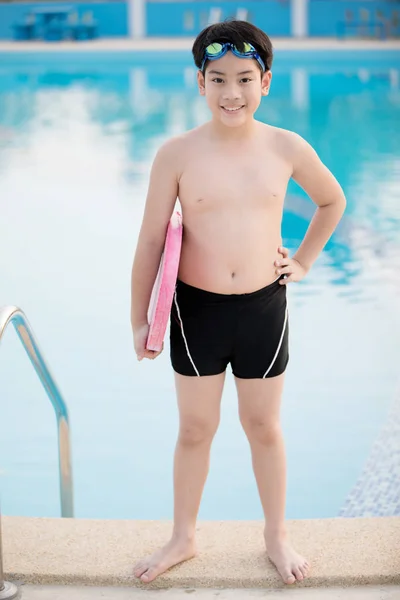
(233, 88)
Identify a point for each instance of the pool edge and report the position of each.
(185, 43)
(342, 551)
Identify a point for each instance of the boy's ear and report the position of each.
(201, 83)
(266, 83)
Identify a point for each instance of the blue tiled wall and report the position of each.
(325, 16)
(188, 18)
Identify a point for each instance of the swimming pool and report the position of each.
(77, 135)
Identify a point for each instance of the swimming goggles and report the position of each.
(217, 50)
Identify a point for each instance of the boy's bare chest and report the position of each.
(219, 181)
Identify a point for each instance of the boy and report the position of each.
(230, 175)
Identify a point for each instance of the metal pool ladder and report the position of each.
(14, 315)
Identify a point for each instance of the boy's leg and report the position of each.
(259, 409)
(199, 401)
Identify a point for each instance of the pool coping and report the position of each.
(342, 552)
(173, 44)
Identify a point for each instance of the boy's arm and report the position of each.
(322, 187)
(160, 202)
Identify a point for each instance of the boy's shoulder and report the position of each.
(285, 136)
(179, 143)
(173, 153)
(286, 142)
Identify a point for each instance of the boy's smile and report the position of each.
(232, 110)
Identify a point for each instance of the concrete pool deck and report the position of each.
(342, 551)
(174, 44)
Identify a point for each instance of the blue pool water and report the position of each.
(77, 136)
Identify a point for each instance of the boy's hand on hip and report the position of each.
(289, 267)
(140, 335)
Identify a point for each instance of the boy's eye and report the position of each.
(246, 79)
(217, 80)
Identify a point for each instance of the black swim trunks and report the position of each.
(249, 331)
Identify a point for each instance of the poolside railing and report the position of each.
(14, 315)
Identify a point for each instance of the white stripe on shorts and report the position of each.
(279, 345)
(183, 335)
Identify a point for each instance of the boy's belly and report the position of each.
(232, 259)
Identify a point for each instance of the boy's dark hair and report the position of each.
(236, 32)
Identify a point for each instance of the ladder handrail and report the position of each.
(14, 315)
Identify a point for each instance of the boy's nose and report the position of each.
(231, 93)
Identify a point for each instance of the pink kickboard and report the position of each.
(164, 286)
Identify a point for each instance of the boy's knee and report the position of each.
(197, 431)
(261, 430)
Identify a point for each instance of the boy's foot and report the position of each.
(290, 565)
(173, 553)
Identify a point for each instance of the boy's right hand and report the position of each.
(140, 335)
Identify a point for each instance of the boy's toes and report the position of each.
(298, 574)
(288, 577)
(303, 571)
(150, 574)
(139, 569)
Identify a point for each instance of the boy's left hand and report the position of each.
(290, 267)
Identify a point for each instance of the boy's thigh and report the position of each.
(260, 399)
(199, 398)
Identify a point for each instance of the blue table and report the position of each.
(54, 23)
(51, 21)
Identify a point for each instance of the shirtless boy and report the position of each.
(230, 175)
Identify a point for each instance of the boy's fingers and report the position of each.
(151, 354)
(139, 352)
(283, 263)
(284, 270)
(283, 251)
(285, 280)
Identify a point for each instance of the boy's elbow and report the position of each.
(337, 200)
(338, 206)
